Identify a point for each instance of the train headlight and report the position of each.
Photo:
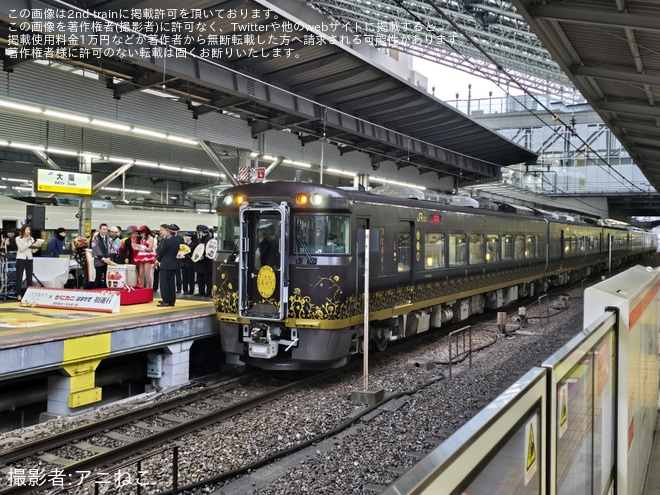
(228, 200)
(302, 199)
(316, 199)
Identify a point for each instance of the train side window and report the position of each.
(323, 234)
(492, 248)
(569, 244)
(403, 251)
(507, 247)
(476, 249)
(519, 247)
(434, 250)
(457, 250)
(531, 246)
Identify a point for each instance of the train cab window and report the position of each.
(476, 249)
(531, 246)
(457, 250)
(323, 234)
(492, 248)
(434, 250)
(507, 247)
(228, 231)
(519, 247)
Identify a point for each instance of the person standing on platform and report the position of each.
(24, 259)
(168, 263)
(9, 242)
(58, 243)
(101, 249)
(114, 234)
(145, 258)
(187, 265)
(204, 267)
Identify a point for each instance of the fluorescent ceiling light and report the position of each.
(191, 170)
(337, 171)
(396, 183)
(66, 116)
(147, 132)
(110, 125)
(19, 106)
(168, 167)
(57, 151)
(142, 163)
(20, 181)
(181, 140)
(119, 159)
(24, 146)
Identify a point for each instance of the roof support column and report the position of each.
(85, 209)
(219, 163)
(361, 181)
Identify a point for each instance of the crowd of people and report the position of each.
(157, 254)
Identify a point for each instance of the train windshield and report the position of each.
(228, 231)
(323, 234)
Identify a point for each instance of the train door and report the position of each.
(263, 267)
(403, 252)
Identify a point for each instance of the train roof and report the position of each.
(274, 191)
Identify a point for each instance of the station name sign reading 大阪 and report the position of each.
(59, 181)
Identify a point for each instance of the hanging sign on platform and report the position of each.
(81, 300)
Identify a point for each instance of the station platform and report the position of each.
(20, 325)
(70, 344)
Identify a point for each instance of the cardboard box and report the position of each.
(134, 296)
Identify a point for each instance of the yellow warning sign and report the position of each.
(531, 457)
(531, 449)
(563, 409)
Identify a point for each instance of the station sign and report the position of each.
(62, 182)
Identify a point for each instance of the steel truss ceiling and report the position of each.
(321, 93)
(494, 25)
(611, 51)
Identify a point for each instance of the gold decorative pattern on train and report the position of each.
(225, 297)
(302, 307)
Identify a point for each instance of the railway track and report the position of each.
(174, 418)
(181, 415)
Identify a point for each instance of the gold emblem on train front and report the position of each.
(266, 281)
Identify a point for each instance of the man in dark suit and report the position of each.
(168, 248)
(187, 265)
(101, 250)
(204, 267)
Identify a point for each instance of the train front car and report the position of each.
(285, 278)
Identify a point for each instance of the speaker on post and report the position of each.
(36, 216)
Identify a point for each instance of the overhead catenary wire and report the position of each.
(512, 79)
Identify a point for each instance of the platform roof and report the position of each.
(319, 91)
(610, 49)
